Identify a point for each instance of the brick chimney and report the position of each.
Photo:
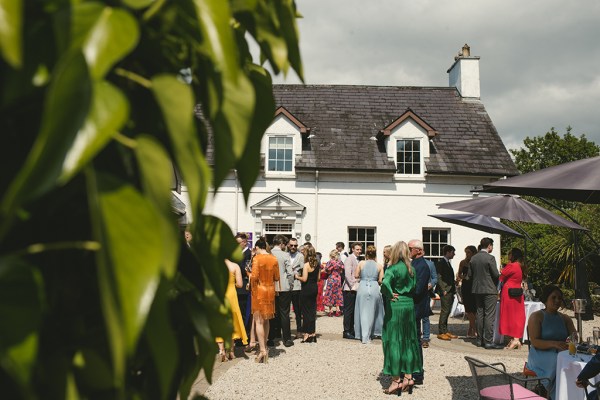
(464, 74)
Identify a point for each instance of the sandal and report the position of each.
(389, 390)
(222, 356)
(251, 347)
(407, 385)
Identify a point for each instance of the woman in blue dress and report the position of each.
(368, 311)
(548, 332)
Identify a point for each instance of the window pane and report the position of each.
(444, 236)
(408, 157)
(416, 168)
(435, 237)
(287, 154)
(416, 145)
(288, 165)
(279, 165)
(271, 165)
(400, 145)
(401, 168)
(272, 154)
(409, 145)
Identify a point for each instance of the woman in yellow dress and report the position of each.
(239, 332)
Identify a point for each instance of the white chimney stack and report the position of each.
(464, 74)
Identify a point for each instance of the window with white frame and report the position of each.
(434, 241)
(280, 154)
(363, 235)
(408, 156)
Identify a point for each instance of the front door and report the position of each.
(270, 229)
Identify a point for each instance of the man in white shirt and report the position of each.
(349, 293)
(297, 262)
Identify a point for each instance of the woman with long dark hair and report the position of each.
(308, 293)
(512, 306)
(265, 272)
(466, 286)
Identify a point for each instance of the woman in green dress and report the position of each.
(400, 342)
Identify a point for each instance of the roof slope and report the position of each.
(342, 118)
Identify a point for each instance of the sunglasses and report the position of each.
(292, 245)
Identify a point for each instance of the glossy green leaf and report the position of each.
(176, 102)
(162, 340)
(108, 114)
(214, 240)
(248, 166)
(21, 301)
(157, 172)
(214, 18)
(130, 262)
(66, 106)
(113, 35)
(21, 306)
(19, 360)
(138, 4)
(11, 23)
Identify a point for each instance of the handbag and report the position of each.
(515, 292)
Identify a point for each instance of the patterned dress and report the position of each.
(332, 296)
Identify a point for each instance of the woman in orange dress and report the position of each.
(265, 272)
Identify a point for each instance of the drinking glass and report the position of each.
(573, 339)
(596, 335)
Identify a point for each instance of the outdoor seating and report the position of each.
(494, 383)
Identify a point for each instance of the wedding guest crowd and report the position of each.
(389, 301)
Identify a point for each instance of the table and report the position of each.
(567, 369)
(530, 307)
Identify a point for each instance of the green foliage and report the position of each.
(99, 296)
(546, 151)
(554, 260)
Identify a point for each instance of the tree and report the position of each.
(98, 295)
(546, 151)
(556, 263)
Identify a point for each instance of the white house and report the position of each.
(370, 163)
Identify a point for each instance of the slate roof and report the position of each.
(342, 118)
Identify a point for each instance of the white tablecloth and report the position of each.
(567, 369)
(530, 307)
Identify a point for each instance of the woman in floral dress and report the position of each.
(332, 296)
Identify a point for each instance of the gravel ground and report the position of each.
(336, 368)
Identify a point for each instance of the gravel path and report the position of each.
(336, 368)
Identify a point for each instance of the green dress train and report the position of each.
(400, 343)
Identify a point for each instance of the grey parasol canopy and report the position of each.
(479, 222)
(510, 207)
(572, 181)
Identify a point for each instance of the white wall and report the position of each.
(398, 210)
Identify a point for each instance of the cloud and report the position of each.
(540, 60)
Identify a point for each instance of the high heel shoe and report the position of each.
(262, 357)
(513, 344)
(396, 390)
(251, 347)
(222, 356)
(407, 385)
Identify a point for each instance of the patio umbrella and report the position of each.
(573, 181)
(510, 207)
(479, 222)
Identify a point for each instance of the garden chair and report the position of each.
(494, 383)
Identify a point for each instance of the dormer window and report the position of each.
(406, 140)
(281, 145)
(280, 154)
(408, 156)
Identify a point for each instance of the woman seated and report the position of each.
(548, 332)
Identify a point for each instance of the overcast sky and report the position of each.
(539, 67)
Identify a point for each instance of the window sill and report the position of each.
(280, 175)
(409, 178)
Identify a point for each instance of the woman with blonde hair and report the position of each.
(368, 310)
(400, 341)
(332, 295)
(308, 293)
(265, 272)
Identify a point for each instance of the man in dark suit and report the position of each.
(446, 288)
(421, 296)
(483, 272)
(242, 293)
